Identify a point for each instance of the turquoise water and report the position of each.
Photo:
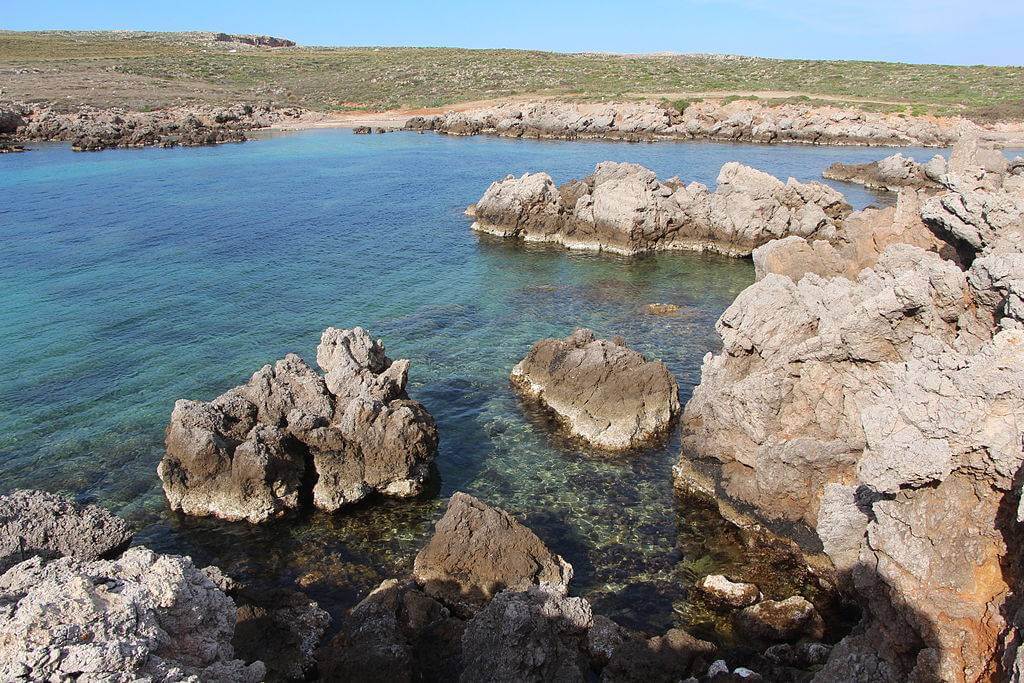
(131, 278)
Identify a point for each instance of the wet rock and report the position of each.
(892, 173)
(787, 619)
(607, 394)
(143, 615)
(624, 208)
(41, 524)
(478, 551)
(666, 658)
(663, 309)
(254, 452)
(536, 635)
(397, 633)
(282, 628)
(724, 592)
(362, 130)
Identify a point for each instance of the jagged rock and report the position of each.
(607, 394)
(252, 452)
(36, 523)
(722, 591)
(662, 659)
(742, 120)
(891, 173)
(787, 619)
(624, 208)
(144, 615)
(478, 550)
(536, 635)
(254, 40)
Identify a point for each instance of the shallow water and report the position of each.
(131, 278)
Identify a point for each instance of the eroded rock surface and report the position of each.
(743, 120)
(143, 615)
(624, 208)
(884, 411)
(607, 394)
(252, 452)
(37, 523)
(891, 173)
(478, 551)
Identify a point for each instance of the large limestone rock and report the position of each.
(143, 616)
(36, 523)
(885, 413)
(607, 394)
(253, 452)
(891, 173)
(478, 551)
(624, 208)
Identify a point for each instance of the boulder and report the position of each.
(667, 658)
(787, 619)
(624, 208)
(40, 524)
(142, 616)
(607, 394)
(892, 173)
(720, 590)
(255, 452)
(478, 551)
(282, 628)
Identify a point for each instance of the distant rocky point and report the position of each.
(254, 40)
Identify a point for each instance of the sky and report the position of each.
(919, 31)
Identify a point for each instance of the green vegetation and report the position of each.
(149, 69)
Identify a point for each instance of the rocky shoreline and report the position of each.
(740, 121)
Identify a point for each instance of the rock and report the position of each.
(536, 635)
(624, 208)
(282, 628)
(724, 592)
(787, 619)
(478, 551)
(142, 616)
(362, 130)
(741, 120)
(892, 173)
(40, 524)
(254, 40)
(397, 633)
(607, 394)
(662, 309)
(256, 451)
(666, 658)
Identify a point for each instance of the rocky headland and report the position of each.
(90, 129)
(880, 407)
(739, 121)
(624, 208)
(291, 435)
(604, 392)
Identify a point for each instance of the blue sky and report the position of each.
(925, 31)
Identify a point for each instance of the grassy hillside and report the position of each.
(147, 70)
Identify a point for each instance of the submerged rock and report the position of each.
(607, 394)
(624, 208)
(143, 615)
(41, 524)
(254, 452)
(478, 551)
(787, 619)
(724, 592)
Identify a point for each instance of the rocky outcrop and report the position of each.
(488, 603)
(280, 627)
(892, 173)
(606, 394)
(40, 524)
(624, 208)
(258, 450)
(253, 40)
(884, 412)
(739, 121)
(478, 551)
(142, 616)
(89, 129)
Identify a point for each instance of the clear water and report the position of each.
(132, 278)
